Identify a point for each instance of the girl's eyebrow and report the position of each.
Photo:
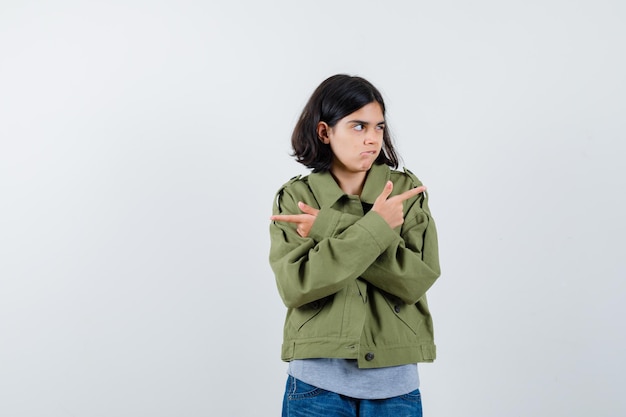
(363, 122)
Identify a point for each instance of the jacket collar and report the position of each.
(327, 190)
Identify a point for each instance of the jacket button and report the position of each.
(396, 308)
(369, 356)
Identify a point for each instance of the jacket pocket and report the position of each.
(408, 314)
(298, 317)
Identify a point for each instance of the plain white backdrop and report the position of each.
(142, 142)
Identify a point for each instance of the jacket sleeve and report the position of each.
(307, 269)
(410, 265)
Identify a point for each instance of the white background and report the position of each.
(141, 143)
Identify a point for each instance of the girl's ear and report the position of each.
(322, 132)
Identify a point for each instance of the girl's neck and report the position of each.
(350, 183)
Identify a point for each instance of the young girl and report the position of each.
(354, 250)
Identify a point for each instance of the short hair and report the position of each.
(335, 98)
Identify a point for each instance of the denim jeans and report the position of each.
(304, 400)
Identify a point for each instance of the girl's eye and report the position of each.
(359, 127)
(380, 127)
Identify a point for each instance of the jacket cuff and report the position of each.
(324, 224)
(379, 230)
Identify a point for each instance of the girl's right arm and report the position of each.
(307, 269)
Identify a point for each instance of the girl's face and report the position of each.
(355, 140)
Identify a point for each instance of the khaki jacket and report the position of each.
(355, 288)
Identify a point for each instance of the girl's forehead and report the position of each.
(371, 112)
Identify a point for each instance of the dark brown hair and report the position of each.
(335, 98)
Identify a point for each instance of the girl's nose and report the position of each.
(370, 138)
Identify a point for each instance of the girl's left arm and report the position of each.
(410, 265)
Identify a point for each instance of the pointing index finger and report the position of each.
(412, 192)
(289, 218)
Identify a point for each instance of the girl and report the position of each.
(354, 250)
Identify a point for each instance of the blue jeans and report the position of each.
(304, 400)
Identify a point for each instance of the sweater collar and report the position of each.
(328, 192)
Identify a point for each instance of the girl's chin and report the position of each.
(365, 166)
(357, 167)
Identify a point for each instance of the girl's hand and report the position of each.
(390, 209)
(304, 221)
